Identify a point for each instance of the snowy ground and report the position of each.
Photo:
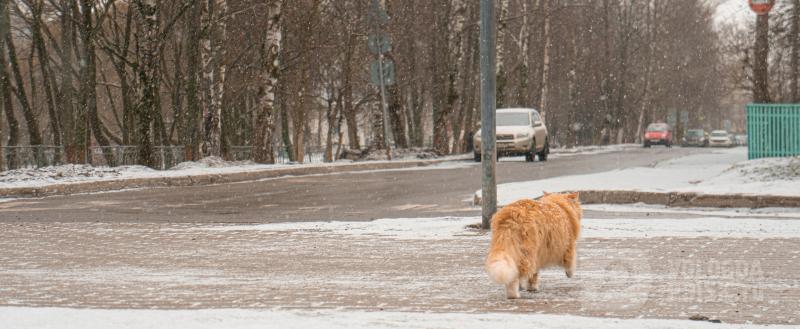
(717, 172)
(31, 177)
(25, 318)
(396, 273)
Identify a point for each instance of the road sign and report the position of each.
(378, 14)
(685, 117)
(672, 117)
(762, 7)
(389, 77)
(379, 43)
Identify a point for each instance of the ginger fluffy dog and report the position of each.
(529, 235)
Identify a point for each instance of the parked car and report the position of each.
(695, 137)
(740, 140)
(721, 138)
(658, 134)
(519, 132)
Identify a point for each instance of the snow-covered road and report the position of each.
(395, 273)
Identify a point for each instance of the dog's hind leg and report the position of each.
(512, 289)
(533, 282)
(570, 260)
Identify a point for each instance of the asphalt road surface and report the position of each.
(422, 192)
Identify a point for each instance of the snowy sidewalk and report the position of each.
(415, 273)
(720, 172)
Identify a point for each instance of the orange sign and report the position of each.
(762, 7)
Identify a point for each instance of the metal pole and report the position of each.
(377, 7)
(761, 66)
(385, 109)
(488, 50)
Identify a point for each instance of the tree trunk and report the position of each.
(44, 66)
(214, 72)
(270, 66)
(440, 80)
(502, 30)
(545, 81)
(149, 78)
(35, 137)
(88, 98)
(5, 89)
(191, 123)
(66, 99)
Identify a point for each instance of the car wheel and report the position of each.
(545, 152)
(477, 157)
(646, 145)
(531, 155)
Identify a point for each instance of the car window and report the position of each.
(513, 119)
(694, 133)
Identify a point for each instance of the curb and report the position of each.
(685, 199)
(203, 180)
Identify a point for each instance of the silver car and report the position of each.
(519, 132)
(720, 138)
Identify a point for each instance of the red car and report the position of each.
(658, 134)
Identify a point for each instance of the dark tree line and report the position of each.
(217, 77)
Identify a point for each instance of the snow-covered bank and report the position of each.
(68, 174)
(28, 318)
(718, 172)
(458, 228)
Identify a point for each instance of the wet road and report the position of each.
(421, 192)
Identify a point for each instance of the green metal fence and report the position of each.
(773, 130)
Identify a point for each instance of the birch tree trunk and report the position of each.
(148, 71)
(66, 97)
(502, 30)
(191, 125)
(214, 72)
(652, 42)
(457, 71)
(545, 81)
(270, 66)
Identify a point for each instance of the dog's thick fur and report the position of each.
(529, 235)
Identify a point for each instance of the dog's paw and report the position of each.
(570, 273)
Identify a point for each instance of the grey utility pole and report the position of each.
(488, 114)
(380, 17)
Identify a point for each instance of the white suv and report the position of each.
(519, 132)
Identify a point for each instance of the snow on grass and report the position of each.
(26, 318)
(715, 212)
(33, 177)
(580, 150)
(456, 228)
(588, 150)
(719, 172)
(779, 176)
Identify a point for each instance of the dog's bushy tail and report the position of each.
(502, 262)
(501, 268)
